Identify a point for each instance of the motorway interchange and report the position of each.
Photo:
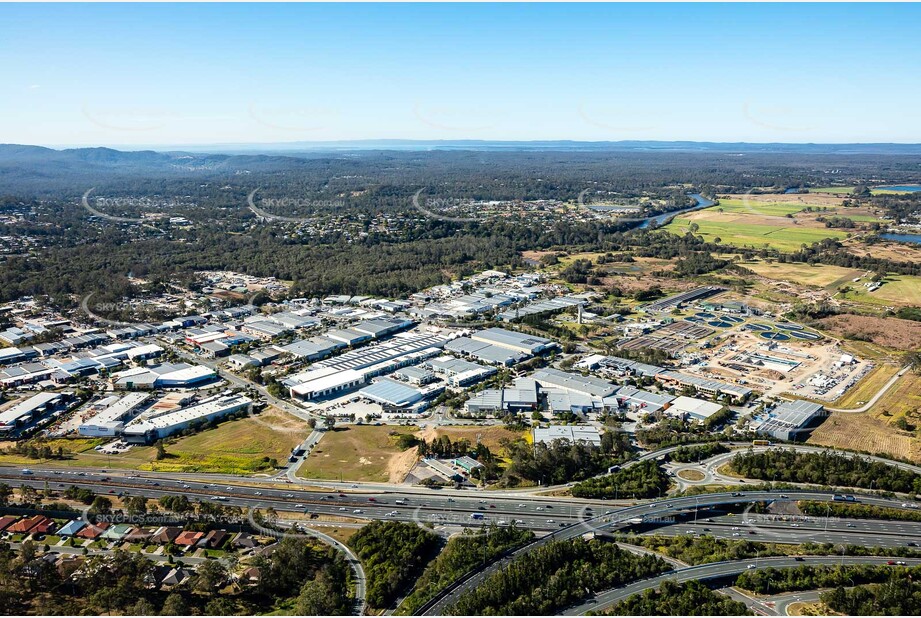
(722, 515)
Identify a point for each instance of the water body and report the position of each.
(912, 238)
(902, 188)
(702, 202)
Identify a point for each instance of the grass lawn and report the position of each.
(775, 209)
(358, 453)
(781, 237)
(235, 447)
(831, 190)
(896, 290)
(804, 274)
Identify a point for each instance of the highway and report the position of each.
(605, 600)
(622, 517)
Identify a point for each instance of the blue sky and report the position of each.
(203, 74)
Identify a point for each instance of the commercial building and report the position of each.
(325, 382)
(311, 349)
(34, 408)
(391, 394)
(572, 433)
(151, 428)
(573, 382)
(522, 396)
(713, 388)
(459, 372)
(111, 420)
(790, 420)
(693, 408)
(641, 401)
(525, 344)
(165, 375)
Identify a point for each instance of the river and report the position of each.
(702, 202)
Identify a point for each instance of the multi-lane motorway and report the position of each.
(717, 570)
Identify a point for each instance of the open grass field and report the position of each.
(874, 431)
(866, 432)
(833, 190)
(891, 333)
(235, 447)
(736, 231)
(360, 453)
(896, 290)
(869, 386)
(749, 205)
(803, 274)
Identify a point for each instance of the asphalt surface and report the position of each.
(714, 570)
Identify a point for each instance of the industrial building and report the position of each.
(166, 375)
(111, 419)
(311, 349)
(148, 428)
(392, 394)
(713, 388)
(325, 382)
(522, 396)
(34, 408)
(574, 383)
(641, 401)
(692, 408)
(790, 420)
(572, 433)
(459, 372)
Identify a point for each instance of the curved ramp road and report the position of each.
(613, 521)
(714, 570)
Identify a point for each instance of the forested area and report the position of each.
(809, 577)
(554, 576)
(900, 596)
(675, 599)
(393, 555)
(706, 549)
(826, 468)
(674, 431)
(460, 555)
(562, 461)
(645, 479)
(308, 577)
(858, 511)
(688, 454)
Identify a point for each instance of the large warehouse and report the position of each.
(790, 420)
(153, 428)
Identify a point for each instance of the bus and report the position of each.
(761, 442)
(843, 498)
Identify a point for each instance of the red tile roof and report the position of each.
(93, 531)
(188, 538)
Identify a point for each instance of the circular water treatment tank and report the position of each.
(719, 324)
(805, 335)
(759, 327)
(775, 336)
(788, 326)
(693, 319)
(705, 315)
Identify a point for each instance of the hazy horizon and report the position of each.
(192, 75)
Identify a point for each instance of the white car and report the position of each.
(550, 521)
(356, 511)
(342, 508)
(298, 506)
(752, 566)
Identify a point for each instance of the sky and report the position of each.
(182, 74)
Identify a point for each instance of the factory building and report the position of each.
(110, 420)
(572, 433)
(790, 420)
(693, 409)
(149, 429)
(34, 408)
(165, 375)
(459, 372)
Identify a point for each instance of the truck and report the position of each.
(843, 498)
(476, 516)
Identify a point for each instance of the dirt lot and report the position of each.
(492, 436)
(888, 332)
(897, 252)
(360, 453)
(866, 432)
